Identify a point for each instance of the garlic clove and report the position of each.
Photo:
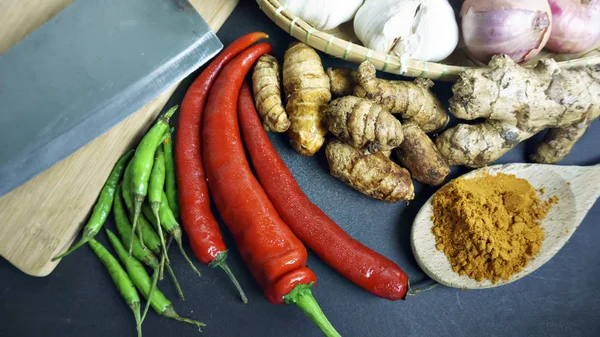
(422, 29)
(378, 23)
(435, 42)
(323, 14)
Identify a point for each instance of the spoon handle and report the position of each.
(585, 184)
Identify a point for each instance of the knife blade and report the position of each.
(87, 69)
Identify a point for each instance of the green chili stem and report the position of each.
(220, 261)
(155, 207)
(176, 234)
(86, 236)
(169, 312)
(179, 291)
(424, 286)
(151, 238)
(137, 205)
(302, 297)
(154, 283)
(135, 307)
(170, 270)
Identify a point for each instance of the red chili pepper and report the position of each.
(198, 221)
(274, 255)
(358, 263)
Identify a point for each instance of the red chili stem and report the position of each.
(355, 261)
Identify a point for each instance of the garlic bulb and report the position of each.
(323, 14)
(420, 29)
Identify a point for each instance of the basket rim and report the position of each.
(385, 62)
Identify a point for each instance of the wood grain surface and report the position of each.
(577, 189)
(42, 217)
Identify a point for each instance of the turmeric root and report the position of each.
(413, 101)
(363, 124)
(420, 156)
(307, 91)
(519, 102)
(374, 175)
(267, 94)
(342, 81)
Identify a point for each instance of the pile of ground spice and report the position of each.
(489, 226)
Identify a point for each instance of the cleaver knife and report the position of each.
(86, 70)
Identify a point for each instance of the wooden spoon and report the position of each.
(577, 189)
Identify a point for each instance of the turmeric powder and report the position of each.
(489, 226)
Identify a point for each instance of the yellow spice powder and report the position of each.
(489, 226)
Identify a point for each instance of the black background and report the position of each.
(560, 299)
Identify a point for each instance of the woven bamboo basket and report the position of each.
(341, 42)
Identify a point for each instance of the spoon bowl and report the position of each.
(576, 187)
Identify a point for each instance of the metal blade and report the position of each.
(87, 69)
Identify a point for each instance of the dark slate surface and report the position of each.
(560, 299)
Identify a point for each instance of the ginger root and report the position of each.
(420, 156)
(267, 94)
(363, 124)
(558, 142)
(342, 81)
(413, 101)
(307, 91)
(374, 175)
(517, 103)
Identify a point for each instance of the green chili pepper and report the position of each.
(151, 239)
(124, 229)
(149, 214)
(157, 181)
(121, 280)
(155, 189)
(115, 240)
(168, 221)
(143, 283)
(142, 162)
(145, 256)
(128, 197)
(171, 181)
(102, 207)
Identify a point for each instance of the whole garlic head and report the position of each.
(420, 29)
(323, 14)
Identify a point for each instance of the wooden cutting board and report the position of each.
(42, 217)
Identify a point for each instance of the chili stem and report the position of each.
(302, 297)
(220, 261)
(424, 286)
(137, 205)
(169, 312)
(155, 207)
(176, 234)
(179, 291)
(135, 307)
(85, 238)
(170, 270)
(154, 283)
